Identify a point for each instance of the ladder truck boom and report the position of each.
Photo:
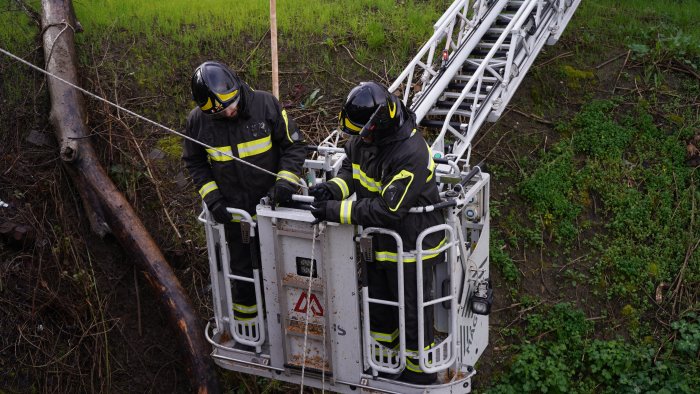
(315, 329)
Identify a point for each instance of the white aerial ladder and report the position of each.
(315, 328)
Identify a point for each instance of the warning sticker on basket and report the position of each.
(304, 301)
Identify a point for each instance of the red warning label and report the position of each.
(304, 301)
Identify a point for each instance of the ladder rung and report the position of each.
(437, 124)
(513, 6)
(466, 78)
(489, 45)
(445, 104)
(454, 95)
(444, 112)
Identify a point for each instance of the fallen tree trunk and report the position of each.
(107, 208)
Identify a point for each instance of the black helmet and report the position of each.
(369, 107)
(215, 87)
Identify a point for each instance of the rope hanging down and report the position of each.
(134, 114)
(306, 322)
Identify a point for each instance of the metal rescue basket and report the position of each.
(315, 327)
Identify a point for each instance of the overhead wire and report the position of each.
(145, 119)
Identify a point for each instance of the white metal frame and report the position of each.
(248, 332)
(357, 358)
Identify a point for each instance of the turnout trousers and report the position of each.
(384, 320)
(243, 293)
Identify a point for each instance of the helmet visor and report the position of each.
(356, 128)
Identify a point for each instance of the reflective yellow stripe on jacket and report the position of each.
(220, 153)
(392, 256)
(343, 187)
(254, 147)
(207, 188)
(288, 176)
(431, 163)
(366, 181)
(286, 125)
(345, 212)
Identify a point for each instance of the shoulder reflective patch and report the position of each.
(396, 190)
(366, 181)
(220, 153)
(254, 147)
(344, 189)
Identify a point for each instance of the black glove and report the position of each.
(218, 210)
(321, 192)
(281, 193)
(318, 209)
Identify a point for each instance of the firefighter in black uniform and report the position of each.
(252, 126)
(390, 169)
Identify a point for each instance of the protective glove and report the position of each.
(218, 210)
(281, 193)
(318, 209)
(321, 192)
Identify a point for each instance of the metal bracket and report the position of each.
(366, 249)
(245, 232)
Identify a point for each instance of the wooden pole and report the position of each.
(273, 45)
(112, 211)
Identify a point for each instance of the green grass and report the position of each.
(665, 28)
(619, 20)
(560, 354)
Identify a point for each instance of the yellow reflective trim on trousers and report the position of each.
(245, 308)
(384, 337)
(237, 218)
(288, 176)
(220, 153)
(244, 319)
(344, 189)
(413, 354)
(392, 257)
(254, 147)
(208, 188)
(366, 181)
(345, 212)
(286, 124)
(401, 175)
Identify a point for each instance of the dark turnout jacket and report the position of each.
(261, 134)
(389, 176)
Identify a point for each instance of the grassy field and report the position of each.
(595, 188)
